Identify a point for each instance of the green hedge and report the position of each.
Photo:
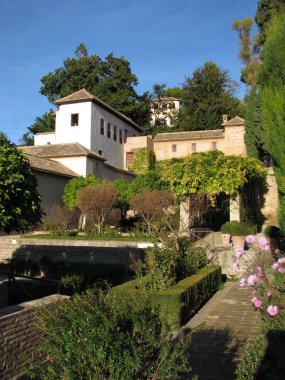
(180, 302)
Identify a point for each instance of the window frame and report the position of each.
(74, 123)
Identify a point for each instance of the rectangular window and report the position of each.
(129, 159)
(174, 148)
(74, 119)
(126, 135)
(115, 133)
(120, 136)
(194, 147)
(100, 152)
(214, 145)
(109, 130)
(102, 127)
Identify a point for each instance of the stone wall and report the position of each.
(19, 336)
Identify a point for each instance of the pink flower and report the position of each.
(249, 239)
(254, 299)
(235, 266)
(239, 253)
(281, 270)
(252, 280)
(272, 310)
(259, 271)
(281, 260)
(258, 303)
(276, 251)
(269, 293)
(275, 266)
(263, 244)
(243, 282)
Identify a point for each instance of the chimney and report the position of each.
(225, 119)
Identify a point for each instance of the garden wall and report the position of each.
(99, 254)
(19, 335)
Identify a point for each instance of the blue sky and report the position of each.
(164, 41)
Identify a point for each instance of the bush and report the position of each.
(236, 228)
(99, 336)
(191, 262)
(180, 302)
(272, 232)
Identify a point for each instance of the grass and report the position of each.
(88, 237)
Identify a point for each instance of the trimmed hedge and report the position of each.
(180, 302)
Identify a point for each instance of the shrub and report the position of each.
(180, 302)
(99, 336)
(272, 232)
(191, 262)
(236, 228)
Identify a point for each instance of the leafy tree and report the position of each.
(122, 187)
(111, 79)
(75, 185)
(175, 92)
(266, 9)
(20, 203)
(97, 202)
(150, 206)
(44, 123)
(246, 53)
(207, 95)
(150, 180)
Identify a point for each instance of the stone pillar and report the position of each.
(234, 208)
(271, 199)
(184, 217)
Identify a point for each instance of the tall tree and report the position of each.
(253, 124)
(44, 123)
(247, 53)
(111, 79)
(266, 9)
(272, 83)
(20, 204)
(207, 95)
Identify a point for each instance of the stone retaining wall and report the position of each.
(85, 252)
(19, 336)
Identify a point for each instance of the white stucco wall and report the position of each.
(44, 138)
(51, 188)
(65, 133)
(112, 150)
(76, 164)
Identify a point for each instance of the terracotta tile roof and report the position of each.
(60, 150)
(50, 166)
(235, 121)
(190, 135)
(83, 96)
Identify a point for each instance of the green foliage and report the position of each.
(174, 92)
(211, 173)
(75, 185)
(123, 189)
(73, 281)
(266, 10)
(253, 137)
(272, 82)
(144, 160)
(180, 302)
(99, 336)
(272, 232)
(207, 95)
(150, 180)
(20, 203)
(111, 79)
(44, 123)
(236, 228)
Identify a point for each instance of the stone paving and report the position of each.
(220, 332)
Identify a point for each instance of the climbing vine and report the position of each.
(144, 160)
(211, 173)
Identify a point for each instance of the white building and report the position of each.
(164, 110)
